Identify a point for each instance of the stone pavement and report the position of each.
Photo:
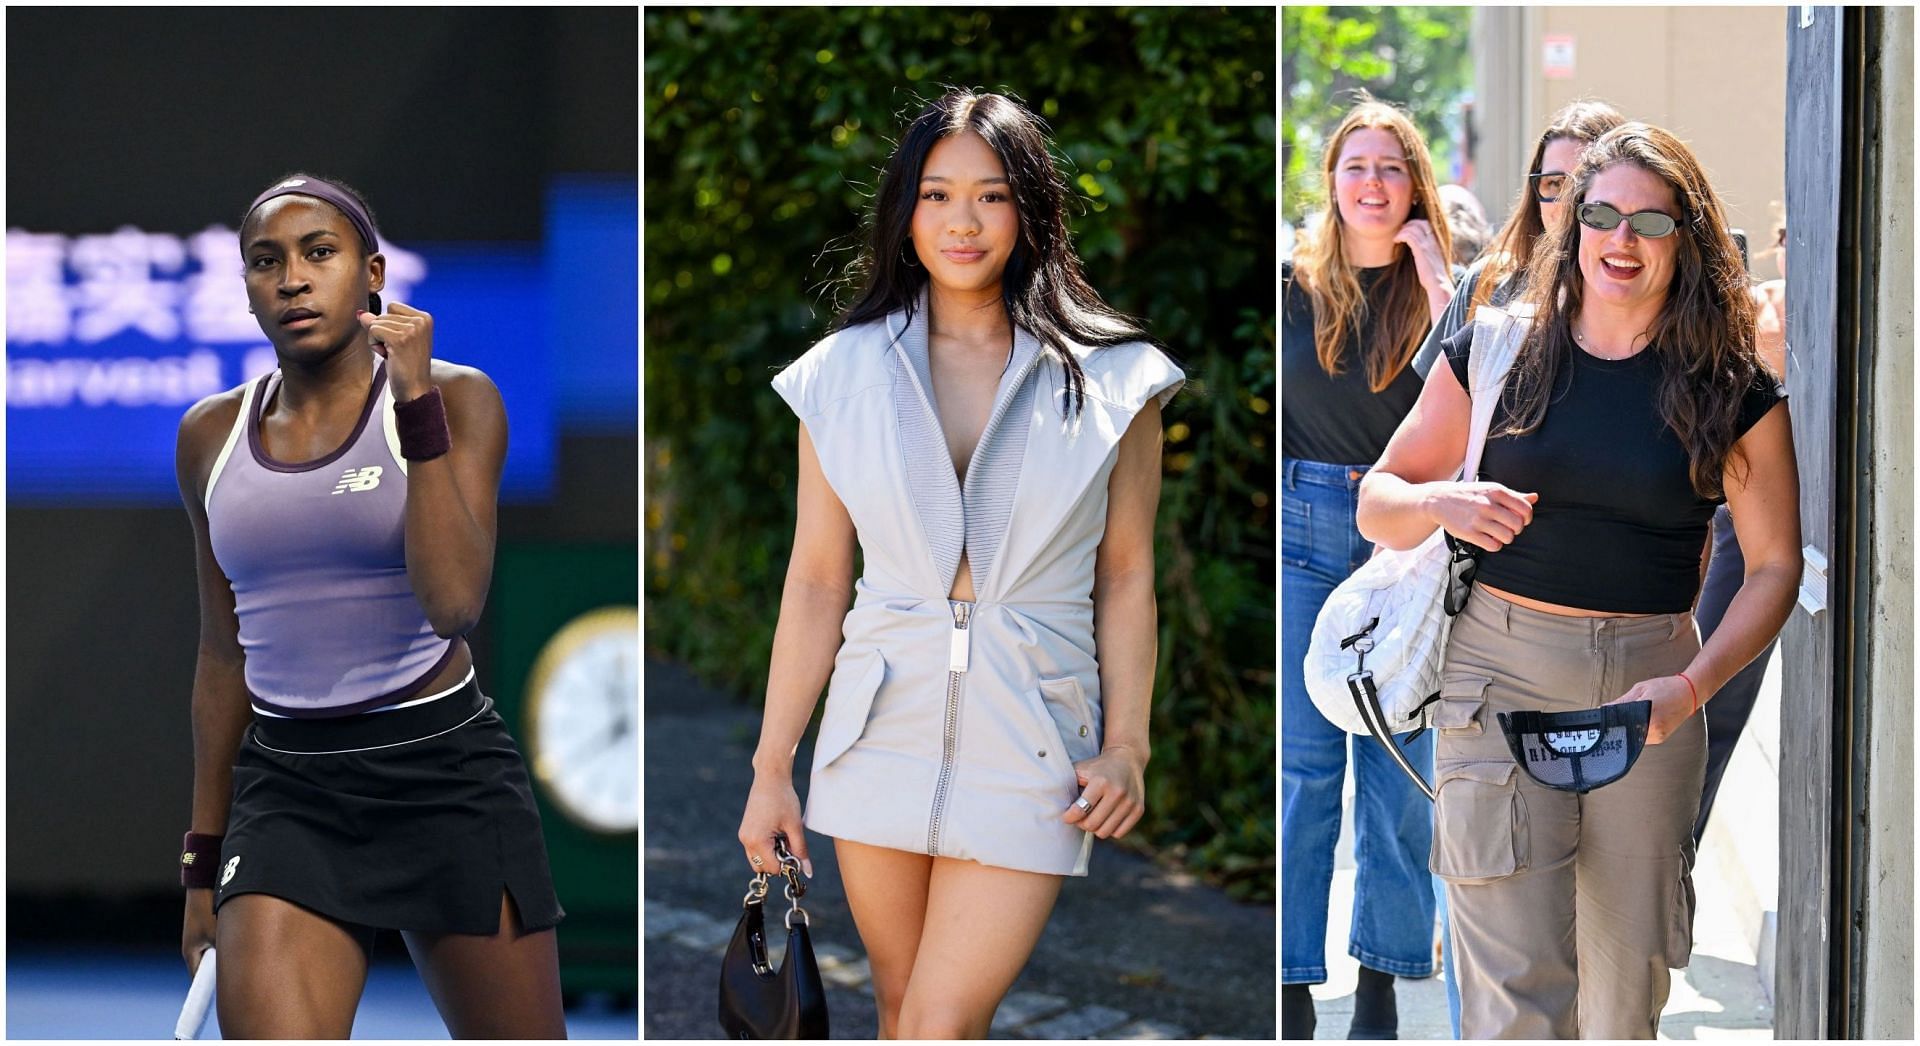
(1133, 951)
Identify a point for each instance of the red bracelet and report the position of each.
(200, 861)
(1690, 689)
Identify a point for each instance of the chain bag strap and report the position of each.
(757, 1001)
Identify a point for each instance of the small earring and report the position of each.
(907, 256)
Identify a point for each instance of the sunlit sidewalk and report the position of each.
(1720, 995)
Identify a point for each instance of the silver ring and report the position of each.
(1085, 807)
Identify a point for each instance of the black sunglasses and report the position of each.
(1606, 219)
(1548, 185)
(1462, 565)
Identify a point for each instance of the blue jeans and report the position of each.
(1392, 927)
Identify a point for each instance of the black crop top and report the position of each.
(1618, 527)
(1339, 420)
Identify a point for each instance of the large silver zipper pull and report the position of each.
(957, 643)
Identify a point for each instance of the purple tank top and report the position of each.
(317, 557)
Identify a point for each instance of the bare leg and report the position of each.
(981, 925)
(500, 986)
(887, 890)
(285, 972)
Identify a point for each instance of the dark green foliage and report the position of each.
(765, 132)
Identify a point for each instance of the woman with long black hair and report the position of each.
(987, 432)
(349, 775)
(1493, 280)
(1637, 402)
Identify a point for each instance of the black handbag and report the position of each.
(755, 1001)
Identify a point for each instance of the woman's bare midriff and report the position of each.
(1552, 608)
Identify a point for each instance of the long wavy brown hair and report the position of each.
(1512, 249)
(1320, 262)
(1705, 338)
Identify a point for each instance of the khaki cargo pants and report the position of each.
(1567, 909)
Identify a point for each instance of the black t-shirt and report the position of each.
(1339, 420)
(1618, 527)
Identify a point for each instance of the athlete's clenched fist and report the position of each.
(405, 337)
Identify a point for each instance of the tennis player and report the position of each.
(349, 775)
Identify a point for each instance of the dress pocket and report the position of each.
(1479, 824)
(1463, 699)
(1074, 723)
(1296, 531)
(849, 699)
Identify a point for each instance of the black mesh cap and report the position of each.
(1581, 750)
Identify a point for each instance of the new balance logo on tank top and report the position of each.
(316, 554)
(358, 479)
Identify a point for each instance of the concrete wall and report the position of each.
(1503, 91)
(1714, 76)
(1887, 969)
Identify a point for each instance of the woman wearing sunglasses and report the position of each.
(1361, 291)
(1636, 405)
(1497, 277)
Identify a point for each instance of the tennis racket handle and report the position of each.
(193, 1015)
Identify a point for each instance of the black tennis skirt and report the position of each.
(409, 819)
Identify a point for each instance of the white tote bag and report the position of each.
(1374, 663)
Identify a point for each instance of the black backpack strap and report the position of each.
(1367, 700)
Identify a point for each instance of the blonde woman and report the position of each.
(1361, 291)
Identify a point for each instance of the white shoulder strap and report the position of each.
(233, 438)
(1497, 337)
(389, 427)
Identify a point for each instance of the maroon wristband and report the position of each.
(422, 425)
(200, 861)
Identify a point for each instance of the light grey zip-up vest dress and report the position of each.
(951, 728)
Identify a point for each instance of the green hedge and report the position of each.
(765, 133)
